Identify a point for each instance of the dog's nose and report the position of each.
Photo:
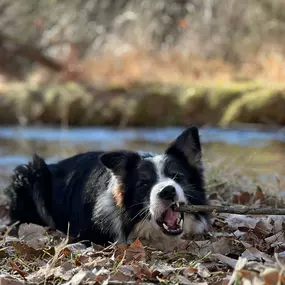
(168, 193)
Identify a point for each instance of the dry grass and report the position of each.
(164, 67)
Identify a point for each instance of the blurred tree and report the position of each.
(226, 29)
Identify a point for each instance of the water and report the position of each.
(258, 153)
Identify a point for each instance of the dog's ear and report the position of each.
(120, 162)
(187, 145)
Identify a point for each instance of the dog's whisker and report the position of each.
(141, 203)
(142, 211)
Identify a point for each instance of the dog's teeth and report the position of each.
(165, 226)
(181, 223)
(177, 204)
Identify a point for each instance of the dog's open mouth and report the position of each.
(171, 221)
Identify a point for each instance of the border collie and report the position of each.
(115, 196)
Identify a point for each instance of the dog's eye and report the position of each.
(142, 183)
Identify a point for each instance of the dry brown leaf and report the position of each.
(224, 246)
(23, 249)
(126, 270)
(65, 252)
(33, 235)
(101, 275)
(190, 271)
(163, 268)
(253, 253)
(259, 194)
(200, 248)
(247, 274)
(276, 239)
(282, 280)
(141, 271)
(241, 198)
(263, 228)
(224, 259)
(270, 276)
(16, 268)
(135, 251)
(78, 278)
(116, 277)
(7, 280)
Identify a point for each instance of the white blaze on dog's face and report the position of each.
(164, 196)
(178, 180)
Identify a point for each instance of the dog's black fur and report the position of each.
(110, 196)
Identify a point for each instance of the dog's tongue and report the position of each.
(171, 217)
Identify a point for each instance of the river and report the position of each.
(259, 154)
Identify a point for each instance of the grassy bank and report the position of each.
(143, 104)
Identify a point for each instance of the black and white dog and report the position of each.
(115, 196)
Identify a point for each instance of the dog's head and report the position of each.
(150, 187)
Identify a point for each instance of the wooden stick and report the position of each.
(240, 210)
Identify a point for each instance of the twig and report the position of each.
(240, 210)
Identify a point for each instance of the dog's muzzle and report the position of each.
(170, 221)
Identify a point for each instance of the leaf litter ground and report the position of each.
(239, 249)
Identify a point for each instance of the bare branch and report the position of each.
(240, 210)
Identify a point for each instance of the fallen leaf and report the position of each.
(163, 268)
(263, 228)
(190, 271)
(224, 246)
(259, 194)
(253, 253)
(23, 249)
(33, 235)
(224, 259)
(276, 239)
(7, 280)
(183, 280)
(203, 271)
(135, 251)
(241, 198)
(16, 268)
(76, 247)
(247, 274)
(213, 196)
(200, 248)
(270, 276)
(141, 271)
(240, 221)
(78, 278)
(117, 277)
(101, 275)
(126, 270)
